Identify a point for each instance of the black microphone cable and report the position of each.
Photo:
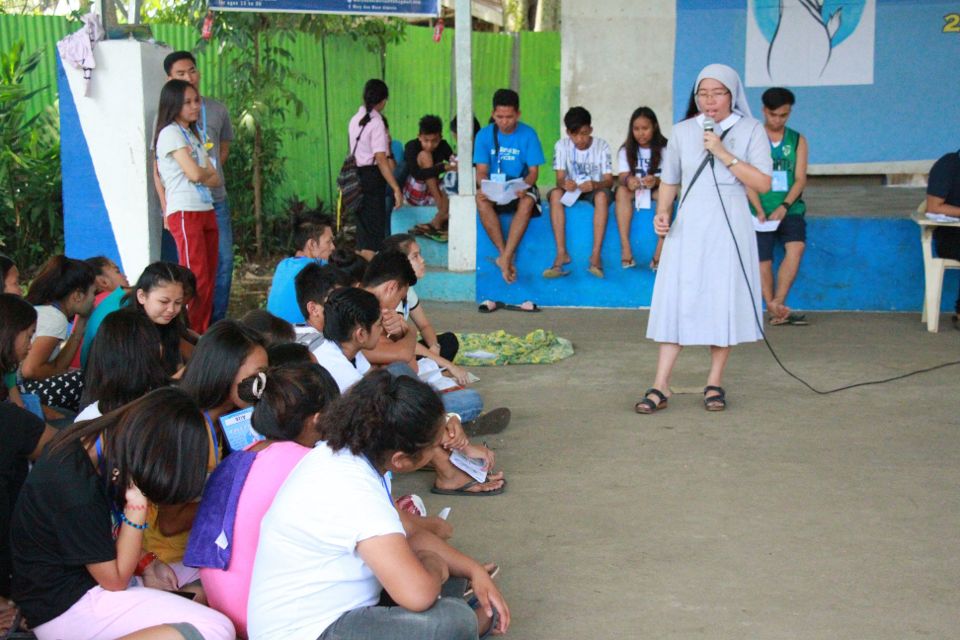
(763, 333)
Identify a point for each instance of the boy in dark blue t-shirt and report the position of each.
(503, 151)
(943, 196)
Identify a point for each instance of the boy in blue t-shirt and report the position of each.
(516, 154)
(313, 234)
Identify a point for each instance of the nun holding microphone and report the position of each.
(701, 296)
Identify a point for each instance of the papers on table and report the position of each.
(503, 192)
(769, 225)
(941, 217)
(570, 197)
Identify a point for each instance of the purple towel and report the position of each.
(218, 513)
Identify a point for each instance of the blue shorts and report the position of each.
(791, 229)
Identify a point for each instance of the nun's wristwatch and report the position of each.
(733, 162)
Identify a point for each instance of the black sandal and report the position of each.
(717, 402)
(648, 406)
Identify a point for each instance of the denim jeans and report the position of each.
(465, 402)
(450, 618)
(224, 277)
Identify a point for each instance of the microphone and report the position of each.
(708, 125)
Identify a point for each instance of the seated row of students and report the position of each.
(124, 363)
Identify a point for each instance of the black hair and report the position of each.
(657, 142)
(692, 108)
(58, 278)
(309, 225)
(158, 442)
(5, 265)
(387, 266)
(506, 98)
(776, 97)
(476, 126)
(189, 280)
(16, 315)
(161, 274)
(399, 242)
(576, 118)
(172, 97)
(273, 329)
(345, 310)
(284, 398)
(380, 414)
(289, 353)
(98, 264)
(313, 284)
(124, 362)
(430, 125)
(175, 57)
(374, 92)
(349, 265)
(219, 354)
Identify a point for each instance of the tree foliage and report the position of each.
(31, 209)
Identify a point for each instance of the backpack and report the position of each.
(348, 181)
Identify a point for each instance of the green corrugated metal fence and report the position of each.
(418, 71)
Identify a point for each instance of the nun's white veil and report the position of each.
(731, 80)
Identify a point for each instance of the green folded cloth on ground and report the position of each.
(537, 347)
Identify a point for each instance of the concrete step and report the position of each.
(403, 219)
(449, 286)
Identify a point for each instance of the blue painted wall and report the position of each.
(86, 223)
(871, 264)
(900, 117)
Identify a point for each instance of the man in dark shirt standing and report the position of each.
(943, 196)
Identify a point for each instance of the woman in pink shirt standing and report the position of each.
(289, 401)
(370, 143)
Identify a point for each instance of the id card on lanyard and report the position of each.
(202, 190)
(779, 182)
(498, 175)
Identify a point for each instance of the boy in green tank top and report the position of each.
(782, 203)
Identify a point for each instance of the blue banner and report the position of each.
(356, 7)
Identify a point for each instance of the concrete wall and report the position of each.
(617, 55)
(109, 204)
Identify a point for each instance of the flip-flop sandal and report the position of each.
(716, 402)
(794, 319)
(438, 237)
(555, 272)
(423, 229)
(654, 265)
(526, 307)
(463, 490)
(595, 271)
(647, 406)
(474, 603)
(628, 264)
(488, 424)
(489, 306)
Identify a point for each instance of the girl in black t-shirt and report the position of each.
(78, 525)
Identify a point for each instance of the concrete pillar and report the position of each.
(462, 247)
(109, 204)
(616, 56)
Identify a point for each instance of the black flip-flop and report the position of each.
(533, 308)
(462, 490)
(489, 306)
(489, 423)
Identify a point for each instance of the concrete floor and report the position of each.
(790, 515)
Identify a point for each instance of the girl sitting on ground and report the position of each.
(9, 276)
(226, 354)
(159, 294)
(23, 434)
(64, 288)
(288, 405)
(639, 163)
(125, 364)
(72, 567)
(320, 572)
